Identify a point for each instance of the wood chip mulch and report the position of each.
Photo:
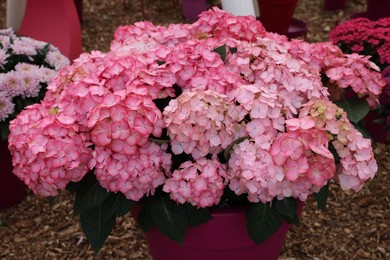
(355, 226)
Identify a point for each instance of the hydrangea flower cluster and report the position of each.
(365, 37)
(26, 67)
(200, 183)
(52, 153)
(189, 111)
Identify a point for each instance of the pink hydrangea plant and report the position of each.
(190, 114)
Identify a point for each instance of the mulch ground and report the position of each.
(355, 226)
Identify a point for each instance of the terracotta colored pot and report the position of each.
(192, 9)
(276, 15)
(333, 5)
(223, 237)
(11, 187)
(377, 9)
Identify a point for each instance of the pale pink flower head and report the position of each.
(200, 183)
(357, 162)
(292, 167)
(198, 123)
(135, 175)
(122, 123)
(221, 24)
(47, 155)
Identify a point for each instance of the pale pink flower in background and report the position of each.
(56, 59)
(24, 73)
(3, 58)
(22, 46)
(11, 84)
(6, 107)
(30, 84)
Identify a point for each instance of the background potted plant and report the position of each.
(372, 39)
(277, 15)
(383, 111)
(377, 9)
(26, 66)
(184, 121)
(332, 5)
(193, 8)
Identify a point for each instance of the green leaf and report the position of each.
(96, 226)
(195, 215)
(262, 221)
(117, 205)
(226, 152)
(89, 195)
(322, 196)
(334, 152)
(221, 50)
(4, 130)
(356, 108)
(145, 219)
(169, 218)
(288, 208)
(233, 50)
(363, 130)
(158, 140)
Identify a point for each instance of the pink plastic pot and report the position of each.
(192, 9)
(276, 15)
(11, 187)
(333, 5)
(223, 237)
(377, 9)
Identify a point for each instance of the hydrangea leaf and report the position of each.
(145, 219)
(262, 221)
(322, 196)
(226, 152)
(169, 219)
(196, 216)
(97, 226)
(288, 208)
(363, 130)
(4, 130)
(221, 50)
(355, 108)
(89, 195)
(118, 205)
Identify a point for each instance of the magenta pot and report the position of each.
(192, 9)
(11, 187)
(276, 15)
(223, 237)
(377, 9)
(333, 5)
(377, 131)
